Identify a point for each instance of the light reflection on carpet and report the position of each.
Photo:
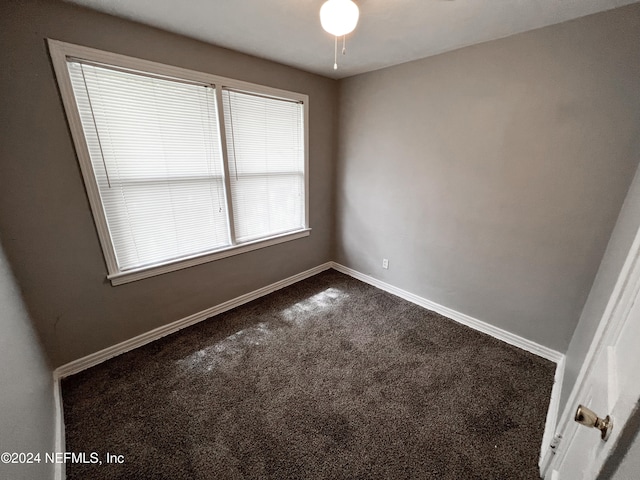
(226, 352)
(300, 312)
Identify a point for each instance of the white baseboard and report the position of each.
(546, 452)
(84, 363)
(462, 318)
(89, 361)
(503, 335)
(554, 403)
(59, 442)
(96, 358)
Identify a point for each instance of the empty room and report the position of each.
(320, 239)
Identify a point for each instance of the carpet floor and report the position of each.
(328, 378)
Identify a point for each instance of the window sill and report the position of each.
(121, 278)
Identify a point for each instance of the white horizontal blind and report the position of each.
(155, 150)
(265, 147)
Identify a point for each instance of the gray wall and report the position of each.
(27, 418)
(45, 219)
(491, 177)
(614, 257)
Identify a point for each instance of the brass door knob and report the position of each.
(588, 418)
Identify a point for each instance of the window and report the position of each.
(182, 167)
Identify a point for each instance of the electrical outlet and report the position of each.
(385, 263)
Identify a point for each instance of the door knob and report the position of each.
(588, 418)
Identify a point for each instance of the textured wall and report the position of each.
(45, 219)
(26, 395)
(491, 177)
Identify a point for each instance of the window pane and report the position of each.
(265, 146)
(155, 151)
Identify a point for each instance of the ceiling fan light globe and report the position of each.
(339, 17)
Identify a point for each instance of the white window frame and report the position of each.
(61, 51)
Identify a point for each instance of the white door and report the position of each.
(609, 383)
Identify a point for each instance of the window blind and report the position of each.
(154, 145)
(265, 148)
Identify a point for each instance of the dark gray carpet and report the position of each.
(328, 378)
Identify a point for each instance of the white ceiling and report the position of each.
(389, 31)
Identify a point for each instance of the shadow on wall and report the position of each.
(27, 405)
